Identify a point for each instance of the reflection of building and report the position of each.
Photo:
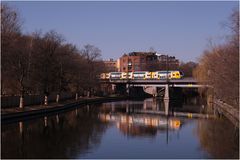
(133, 130)
(142, 120)
(151, 103)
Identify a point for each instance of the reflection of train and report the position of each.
(143, 75)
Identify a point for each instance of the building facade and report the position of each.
(147, 61)
(167, 62)
(141, 61)
(138, 61)
(111, 65)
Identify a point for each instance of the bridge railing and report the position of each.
(228, 111)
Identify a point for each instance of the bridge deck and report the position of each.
(151, 81)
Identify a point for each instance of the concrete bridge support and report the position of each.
(166, 95)
(57, 119)
(45, 121)
(21, 127)
(150, 90)
(127, 89)
(114, 88)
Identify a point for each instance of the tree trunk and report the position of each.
(88, 93)
(45, 100)
(76, 97)
(58, 97)
(21, 103)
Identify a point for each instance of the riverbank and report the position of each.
(28, 112)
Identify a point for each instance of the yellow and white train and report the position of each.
(143, 75)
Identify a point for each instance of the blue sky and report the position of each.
(180, 29)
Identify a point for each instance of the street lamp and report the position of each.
(167, 69)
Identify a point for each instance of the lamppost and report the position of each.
(127, 85)
(167, 69)
(166, 95)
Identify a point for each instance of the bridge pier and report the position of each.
(21, 127)
(166, 94)
(57, 119)
(127, 89)
(114, 88)
(45, 121)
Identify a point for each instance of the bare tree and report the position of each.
(187, 68)
(65, 67)
(78, 74)
(10, 32)
(45, 56)
(92, 55)
(10, 21)
(17, 62)
(219, 67)
(42, 64)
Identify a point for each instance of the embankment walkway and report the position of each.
(11, 114)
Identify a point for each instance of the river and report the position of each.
(114, 130)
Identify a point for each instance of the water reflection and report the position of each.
(141, 125)
(60, 136)
(221, 141)
(114, 130)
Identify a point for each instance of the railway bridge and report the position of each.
(150, 85)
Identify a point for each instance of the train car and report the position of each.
(130, 75)
(141, 75)
(138, 75)
(167, 74)
(160, 75)
(104, 76)
(148, 75)
(115, 75)
(126, 75)
(176, 75)
(107, 75)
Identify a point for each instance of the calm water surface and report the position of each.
(113, 130)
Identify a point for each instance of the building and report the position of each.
(138, 61)
(167, 62)
(142, 61)
(111, 65)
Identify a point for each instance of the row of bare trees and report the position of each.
(42, 63)
(219, 66)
